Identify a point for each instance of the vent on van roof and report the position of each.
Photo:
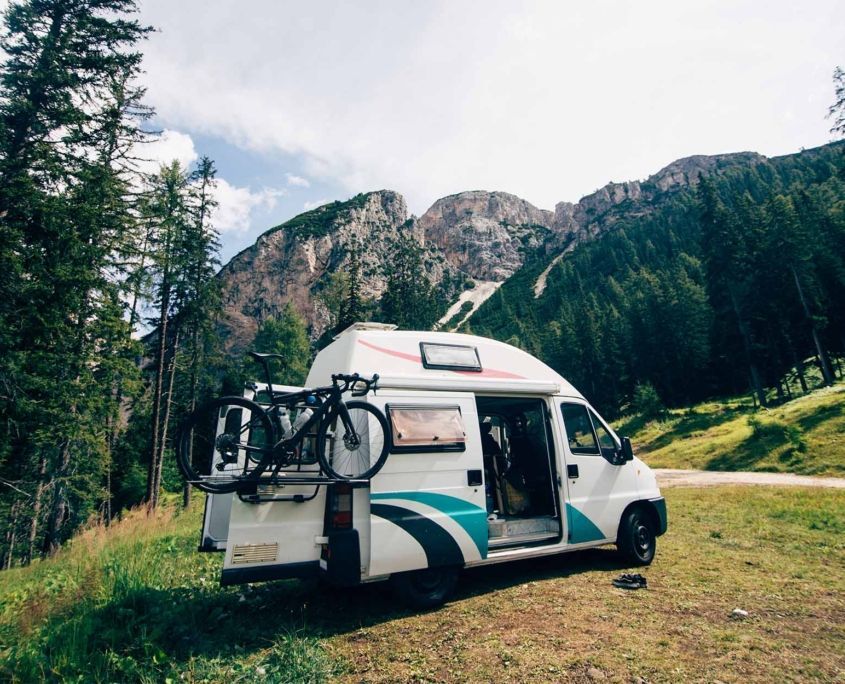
(366, 325)
(450, 356)
(254, 553)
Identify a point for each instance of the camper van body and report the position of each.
(552, 479)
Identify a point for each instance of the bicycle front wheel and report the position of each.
(357, 450)
(219, 443)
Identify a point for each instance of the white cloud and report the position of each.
(170, 145)
(548, 100)
(297, 181)
(314, 204)
(235, 205)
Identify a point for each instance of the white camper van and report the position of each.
(493, 457)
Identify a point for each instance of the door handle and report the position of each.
(572, 470)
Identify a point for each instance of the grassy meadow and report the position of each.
(805, 435)
(135, 602)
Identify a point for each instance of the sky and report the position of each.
(300, 103)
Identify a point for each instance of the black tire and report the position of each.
(199, 445)
(336, 457)
(637, 540)
(422, 589)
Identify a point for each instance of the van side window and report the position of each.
(426, 428)
(606, 441)
(579, 429)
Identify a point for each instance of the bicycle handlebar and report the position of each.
(350, 382)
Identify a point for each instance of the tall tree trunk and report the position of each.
(152, 493)
(799, 370)
(58, 509)
(195, 356)
(168, 402)
(824, 362)
(745, 333)
(11, 536)
(37, 503)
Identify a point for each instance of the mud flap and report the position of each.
(340, 560)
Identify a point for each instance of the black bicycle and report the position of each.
(233, 441)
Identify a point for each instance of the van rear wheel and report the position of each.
(637, 541)
(425, 588)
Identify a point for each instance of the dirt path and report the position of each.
(667, 477)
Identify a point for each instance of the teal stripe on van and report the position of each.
(469, 516)
(581, 528)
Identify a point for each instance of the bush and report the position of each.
(647, 402)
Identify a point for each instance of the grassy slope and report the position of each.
(137, 603)
(805, 436)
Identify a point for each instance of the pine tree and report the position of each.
(285, 335)
(727, 261)
(354, 307)
(168, 210)
(790, 248)
(408, 300)
(837, 109)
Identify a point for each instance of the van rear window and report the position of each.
(427, 428)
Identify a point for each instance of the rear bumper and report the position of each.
(266, 573)
(660, 509)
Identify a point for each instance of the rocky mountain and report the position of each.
(474, 239)
(289, 263)
(487, 235)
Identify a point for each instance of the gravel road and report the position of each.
(667, 477)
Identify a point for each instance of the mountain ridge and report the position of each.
(474, 237)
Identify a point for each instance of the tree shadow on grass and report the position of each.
(690, 424)
(757, 447)
(820, 415)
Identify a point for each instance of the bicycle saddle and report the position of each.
(259, 357)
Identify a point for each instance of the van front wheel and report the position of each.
(637, 540)
(425, 588)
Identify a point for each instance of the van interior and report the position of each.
(519, 472)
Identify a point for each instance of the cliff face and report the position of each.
(487, 235)
(288, 264)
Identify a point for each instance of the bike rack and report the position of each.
(251, 492)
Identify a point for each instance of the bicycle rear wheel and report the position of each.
(219, 443)
(357, 453)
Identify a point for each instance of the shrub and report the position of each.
(647, 402)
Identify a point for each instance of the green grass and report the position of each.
(137, 603)
(804, 436)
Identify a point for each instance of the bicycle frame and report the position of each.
(333, 394)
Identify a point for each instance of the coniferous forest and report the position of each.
(729, 286)
(96, 247)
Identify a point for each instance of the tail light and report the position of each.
(340, 506)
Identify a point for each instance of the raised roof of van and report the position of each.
(398, 357)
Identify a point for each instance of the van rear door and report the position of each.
(275, 532)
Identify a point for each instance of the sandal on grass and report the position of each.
(628, 581)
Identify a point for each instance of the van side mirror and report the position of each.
(627, 450)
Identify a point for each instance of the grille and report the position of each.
(254, 553)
